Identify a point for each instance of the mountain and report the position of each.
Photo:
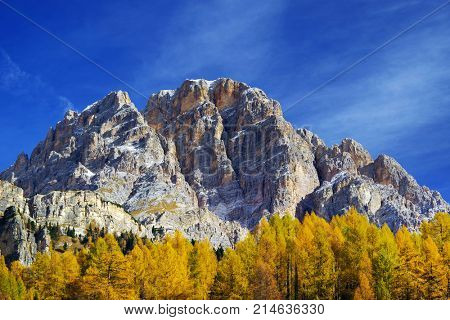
(210, 159)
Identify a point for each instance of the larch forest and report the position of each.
(283, 258)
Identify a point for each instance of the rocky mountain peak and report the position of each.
(229, 138)
(70, 115)
(164, 106)
(105, 135)
(359, 154)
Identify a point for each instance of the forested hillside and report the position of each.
(346, 258)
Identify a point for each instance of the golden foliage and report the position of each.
(283, 258)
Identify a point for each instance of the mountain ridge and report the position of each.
(211, 159)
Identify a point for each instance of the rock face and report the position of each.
(16, 242)
(12, 196)
(236, 151)
(381, 189)
(210, 159)
(79, 209)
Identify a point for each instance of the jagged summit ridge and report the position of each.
(380, 188)
(210, 158)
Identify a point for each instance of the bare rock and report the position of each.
(349, 156)
(234, 148)
(16, 241)
(80, 209)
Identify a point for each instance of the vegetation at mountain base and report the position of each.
(283, 258)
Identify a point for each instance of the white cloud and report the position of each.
(13, 78)
(20, 83)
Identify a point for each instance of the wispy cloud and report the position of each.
(397, 102)
(396, 94)
(394, 7)
(232, 36)
(19, 83)
(14, 79)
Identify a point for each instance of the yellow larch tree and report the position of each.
(354, 229)
(408, 283)
(434, 273)
(109, 275)
(438, 229)
(169, 278)
(365, 291)
(11, 285)
(247, 250)
(203, 269)
(316, 259)
(53, 275)
(385, 262)
(138, 267)
(231, 282)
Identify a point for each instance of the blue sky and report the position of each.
(396, 102)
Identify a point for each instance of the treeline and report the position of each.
(347, 258)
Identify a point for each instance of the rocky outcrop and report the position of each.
(349, 156)
(17, 242)
(12, 196)
(24, 233)
(105, 148)
(210, 159)
(80, 209)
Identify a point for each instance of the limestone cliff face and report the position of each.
(210, 158)
(12, 196)
(235, 149)
(79, 209)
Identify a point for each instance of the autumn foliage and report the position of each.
(283, 258)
